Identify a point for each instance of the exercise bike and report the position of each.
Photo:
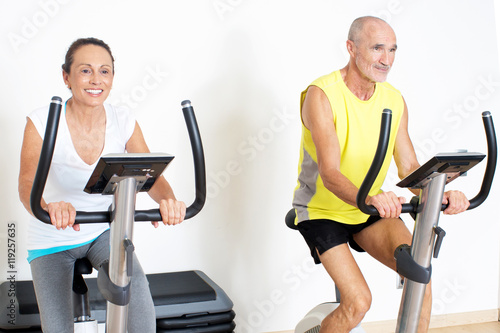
(120, 175)
(414, 262)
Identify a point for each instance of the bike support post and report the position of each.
(430, 200)
(121, 253)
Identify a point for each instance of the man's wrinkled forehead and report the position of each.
(378, 32)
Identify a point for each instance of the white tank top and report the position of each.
(68, 176)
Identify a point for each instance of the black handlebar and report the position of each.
(45, 159)
(199, 170)
(385, 129)
(491, 163)
(104, 216)
(378, 160)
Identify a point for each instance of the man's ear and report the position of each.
(351, 47)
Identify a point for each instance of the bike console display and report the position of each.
(453, 164)
(112, 168)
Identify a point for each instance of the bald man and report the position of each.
(341, 115)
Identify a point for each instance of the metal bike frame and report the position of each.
(431, 196)
(121, 230)
(416, 265)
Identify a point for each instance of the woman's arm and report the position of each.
(62, 214)
(172, 211)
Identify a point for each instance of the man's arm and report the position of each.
(404, 153)
(318, 118)
(406, 161)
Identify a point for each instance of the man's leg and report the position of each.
(380, 240)
(356, 297)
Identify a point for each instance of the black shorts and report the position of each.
(322, 235)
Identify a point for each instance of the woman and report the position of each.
(88, 129)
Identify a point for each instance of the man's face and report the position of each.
(375, 50)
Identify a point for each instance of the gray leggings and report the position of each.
(53, 278)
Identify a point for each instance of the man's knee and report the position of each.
(356, 307)
(363, 304)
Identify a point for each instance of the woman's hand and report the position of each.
(62, 215)
(172, 212)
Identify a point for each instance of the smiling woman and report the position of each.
(89, 128)
(89, 79)
(88, 72)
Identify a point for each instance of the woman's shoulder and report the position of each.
(116, 108)
(42, 111)
(39, 118)
(122, 116)
(119, 112)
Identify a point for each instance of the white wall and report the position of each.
(243, 65)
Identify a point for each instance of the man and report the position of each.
(341, 115)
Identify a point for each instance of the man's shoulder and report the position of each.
(326, 83)
(328, 79)
(389, 87)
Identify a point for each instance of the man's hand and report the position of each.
(388, 204)
(457, 202)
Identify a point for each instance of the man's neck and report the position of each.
(357, 83)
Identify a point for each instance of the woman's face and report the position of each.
(91, 75)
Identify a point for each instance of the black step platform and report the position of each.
(186, 301)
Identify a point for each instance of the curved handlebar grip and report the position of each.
(491, 164)
(94, 217)
(45, 160)
(199, 170)
(198, 159)
(408, 207)
(378, 160)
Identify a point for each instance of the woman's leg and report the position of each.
(53, 279)
(141, 312)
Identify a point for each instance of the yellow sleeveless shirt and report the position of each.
(357, 124)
